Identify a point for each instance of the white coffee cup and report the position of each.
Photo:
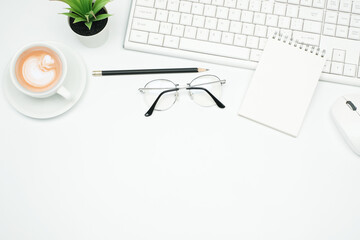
(57, 89)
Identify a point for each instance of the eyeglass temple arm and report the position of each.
(218, 103)
(152, 108)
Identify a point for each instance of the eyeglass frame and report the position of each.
(187, 87)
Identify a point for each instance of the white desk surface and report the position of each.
(104, 171)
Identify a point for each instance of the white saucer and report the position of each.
(55, 105)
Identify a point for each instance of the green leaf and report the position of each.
(71, 15)
(99, 4)
(85, 5)
(87, 17)
(79, 19)
(76, 12)
(74, 4)
(102, 16)
(88, 24)
(92, 14)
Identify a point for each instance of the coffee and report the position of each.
(38, 69)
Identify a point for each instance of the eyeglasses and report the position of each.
(161, 94)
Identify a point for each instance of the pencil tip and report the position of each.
(202, 69)
(97, 73)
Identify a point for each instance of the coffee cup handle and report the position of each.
(62, 91)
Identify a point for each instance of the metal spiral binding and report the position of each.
(308, 48)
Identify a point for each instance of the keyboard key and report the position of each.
(311, 13)
(222, 12)
(341, 31)
(185, 7)
(145, 25)
(171, 42)
(338, 55)
(279, 8)
(145, 3)
(345, 5)
(319, 3)
(284, 22)
(307, 38)
(174, 17)
(354, 33)
(271, 31)
(296, 24)
(262, 43)
(227, 38)
(350, 70)
(243, 4)
(197, 8)
(271, 20)
(355, 20)
(255, 55)
(333, 4)
(186, 19)
(230, 3)
(248, 29)
(162, 15)
(267, 7)
(247, 16)
(255, 5)
(329, 29)
(331, 17)
(177, 30)
(145, 12)
(202, 34)
(223, 25)
(337, 68)
(138, 36)
(190, 32)
(209, 10)
(286, 32)
(172, 5)
(214, 48)
(252, 42)
(312, 26)
(260, 31)
(235, 27)
(198, 21)
(156, 39)
(160, 4)
(215, 36)
(259, 18)
(306, 2)
(234, 14)
(218, 2)
(165, 28)
(210, 23)
(292, 11)
(343, 18)
(356, 7)
(240, 40)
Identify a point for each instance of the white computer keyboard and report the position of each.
(234, 32)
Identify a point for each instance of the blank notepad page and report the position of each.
(283, 85)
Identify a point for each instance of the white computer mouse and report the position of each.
(346, 115)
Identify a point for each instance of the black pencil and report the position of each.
(148, 71)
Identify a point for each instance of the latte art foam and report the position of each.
(38, 69)
(39, 72)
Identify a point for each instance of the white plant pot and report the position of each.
(95, 40)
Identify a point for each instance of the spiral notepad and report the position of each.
(283, 84)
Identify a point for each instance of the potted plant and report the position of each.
(88, 19)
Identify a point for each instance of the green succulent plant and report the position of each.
(85, 10)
